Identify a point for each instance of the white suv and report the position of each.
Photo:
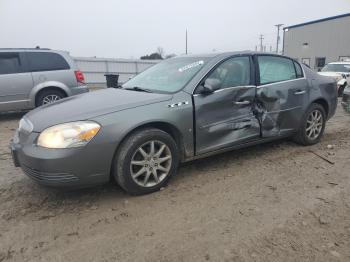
(35, 77)
(340, 71)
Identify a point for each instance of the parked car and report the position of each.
(181, 109)
(340, 71)
(33, 77)
(346, 99)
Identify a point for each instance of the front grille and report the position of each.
(48, 177)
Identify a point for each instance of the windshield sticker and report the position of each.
(190, 66)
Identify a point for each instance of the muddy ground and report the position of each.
(273, 202)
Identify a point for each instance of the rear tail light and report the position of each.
(79, 76)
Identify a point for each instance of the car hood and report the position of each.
(90, 105)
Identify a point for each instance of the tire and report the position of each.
(49, 96)
(132, 167)
(341, 90)
(304, 135)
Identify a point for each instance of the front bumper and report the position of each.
(74, 167)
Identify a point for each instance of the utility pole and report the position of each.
(186, 43)
(278, 36)
(261, 43)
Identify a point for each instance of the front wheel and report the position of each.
(313, 125)
(146, 161)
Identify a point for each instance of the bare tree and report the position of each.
(160, 51)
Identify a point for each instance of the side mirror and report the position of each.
(210, 85)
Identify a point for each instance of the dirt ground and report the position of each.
(273, 202)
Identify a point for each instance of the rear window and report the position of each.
(298, 70)
(342, 68)
(44, 61)
(9, 63)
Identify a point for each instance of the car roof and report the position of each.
(223, 54)
(24, 48)
(31, 50)
(340, 63)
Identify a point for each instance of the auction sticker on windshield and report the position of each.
(190, 66)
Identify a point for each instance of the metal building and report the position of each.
(319, 42)
(94, 69)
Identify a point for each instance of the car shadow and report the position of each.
(12, 115)
(227, 159)
(26, 193)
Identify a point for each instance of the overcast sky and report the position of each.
(131, 28)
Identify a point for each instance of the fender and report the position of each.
(185, 147)
(341, 82)
(46, 84)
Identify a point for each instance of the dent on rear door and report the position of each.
(279, 106)
(281, 96)
(266, 109)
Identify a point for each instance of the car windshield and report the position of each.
(168, 76)
(343, 68)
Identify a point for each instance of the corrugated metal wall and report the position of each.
(94, 69)
(329, 39)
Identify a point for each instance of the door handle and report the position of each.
(300, 92)
(242, 103)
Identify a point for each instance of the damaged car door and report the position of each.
(282, 93)
(223, 106)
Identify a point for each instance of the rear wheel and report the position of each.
(313, 125)
(146, 161)
(49, 96)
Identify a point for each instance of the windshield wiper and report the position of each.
(139, 89)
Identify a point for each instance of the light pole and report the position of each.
(261, 43)
(186, 42)
(278, 36)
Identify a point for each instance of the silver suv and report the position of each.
(33, 77)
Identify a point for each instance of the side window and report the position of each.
(275, 69)
(233, 72)
(44, 61)
(9, 63)
(298, 70)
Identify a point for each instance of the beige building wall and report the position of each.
(309, 43)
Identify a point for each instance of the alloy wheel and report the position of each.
(50, 99)
(314, 124)
(151, 163)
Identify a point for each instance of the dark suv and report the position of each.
(34, 77)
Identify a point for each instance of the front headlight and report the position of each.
(338, 78)
(68, 135)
